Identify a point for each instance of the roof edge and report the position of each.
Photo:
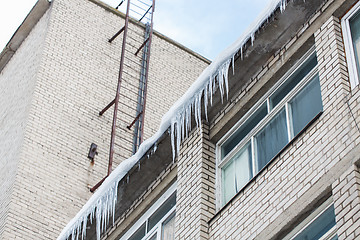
(39, 9)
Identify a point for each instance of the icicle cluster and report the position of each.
(102, 204)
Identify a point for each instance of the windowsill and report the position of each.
(264, 168)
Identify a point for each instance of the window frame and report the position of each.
(250, 137)
(310, 219)
(144, 218)
(348, 44)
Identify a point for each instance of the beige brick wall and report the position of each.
(317, 164)
(76, 76)
(300, 168)
(306, 168)
(17, 84)
(195, 190)
(346, 195)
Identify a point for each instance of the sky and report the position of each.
(205, 26)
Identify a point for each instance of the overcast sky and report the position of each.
(205, 26)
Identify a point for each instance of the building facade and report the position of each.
(274, 157)
(57, 73)
(278, 158)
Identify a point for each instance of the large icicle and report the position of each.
(102, 204)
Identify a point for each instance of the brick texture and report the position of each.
(62, 76)
(346, 195)
(195, 193)
(302, 166)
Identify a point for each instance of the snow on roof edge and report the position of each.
(102, 204)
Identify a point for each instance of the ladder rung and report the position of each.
(142, 45)
(116, 34)
(145, 13)
(107, 107)
(133, 122)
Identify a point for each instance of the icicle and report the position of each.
(221, 85)
(233, 64)
(177, 123)
(178, 134)
(199, 110)
(115, 200)
(172, 139)
(83, 234)
(98, 217)
(206, 102)
(211, 90)
(241, 52)
(226, 77)
(182, 125)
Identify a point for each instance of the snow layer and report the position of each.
(102, 204)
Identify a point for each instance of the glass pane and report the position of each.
(139, 234)
(228, 181)
(243, 130)
(293, 80)
(161, 211)
(334, 238)
(355, 34)
(271, 139)
(168, 229)
(237, 173)
(306, 105)
(153, 237)
(243, 171)
(319, 227)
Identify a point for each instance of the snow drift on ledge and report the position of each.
(102, 204)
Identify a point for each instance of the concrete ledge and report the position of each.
(23, 31)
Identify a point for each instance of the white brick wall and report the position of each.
(346, 191)
(304, 165)
(301, 175)
(195, 190)
(17, 83)
(73, 76)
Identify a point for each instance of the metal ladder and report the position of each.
(143, 10)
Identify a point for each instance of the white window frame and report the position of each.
(143, 219)
(348, 43)
(221, 162)
(310, 219)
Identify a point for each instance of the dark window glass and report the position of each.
(306, 105)
(271, 139)
(139, 234)
(355, 34)
(319, 226)
(161, 211)
(293, 80)
(244, 130)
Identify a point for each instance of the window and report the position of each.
(158, 223)
(320, 224)
(268, 127)
(351, 32)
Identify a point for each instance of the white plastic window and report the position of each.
(351, 31)
(319, 225)
(158, 223)
(268, 127)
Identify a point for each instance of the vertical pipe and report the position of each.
(113, 129)
(147, 72)
(142, 82)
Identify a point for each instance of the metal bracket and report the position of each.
(92, 152)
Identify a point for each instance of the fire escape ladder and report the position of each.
(142, 10)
